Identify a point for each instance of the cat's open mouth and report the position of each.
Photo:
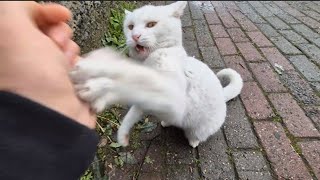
(141, 49)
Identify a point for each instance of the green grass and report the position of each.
(114, 37)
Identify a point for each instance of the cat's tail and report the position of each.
(235, 85)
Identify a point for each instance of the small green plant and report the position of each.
(114, 36)
(87, 176)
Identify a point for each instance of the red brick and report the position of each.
(266, 77)
(274, 56)
(245, 23)
(237, 35)
(249, 52)
(225, 46)
(293, 116)
(226, 18)
(236, 62)
(285, 162)
(259, 39)
(309, 22)
(218, 31)
(212, 18)
(254, 101)
(311, 151)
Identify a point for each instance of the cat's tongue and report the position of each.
(140, 49)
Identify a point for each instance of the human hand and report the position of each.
(36, 54)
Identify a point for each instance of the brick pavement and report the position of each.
(272, 129)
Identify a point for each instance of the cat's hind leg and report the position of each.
(193, 140)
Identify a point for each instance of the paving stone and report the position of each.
(186, 19)
(178, 149)
(309, 22)
(316, 86)
(218, 31)
(192, 48)
(255, 18)
(277, 23)
(256, 4)
(237, 35)
(284, 45)
(300, 88)
(236, 62)
(274, 9)
(226, 46)
(311, 151)
(315, 41)
(268, 80)
(207, 7)
(214, 158)
(156, 154)
(281, 4)
(182, 172)
(298, 124)
(306, 67)
(212, 18)
(251, 165)
(313, 112)
(211, 57)
(264, 12)
(203, 33)
(293, 37)
(217, 4)
(312, 14)
(249, 52)
(259, 39)
(285, 161)
(230, 5)
(196, 12)
(226, 18)
(254, 101)
(293, 12)
(312, 51)
(188, 34)
(305, 31)
(237, 127)
(268, 30)
(275, 57)
(288, 19)
(245, 23)
(246, 8)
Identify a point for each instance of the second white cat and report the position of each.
(178, 89)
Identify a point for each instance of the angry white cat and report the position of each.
(178, 89)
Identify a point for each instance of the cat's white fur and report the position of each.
(178, 89)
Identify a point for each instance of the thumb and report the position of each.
(47, 14)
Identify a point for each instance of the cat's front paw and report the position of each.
(123, 138)
(164, 124)
(97, 92)
(194, 143)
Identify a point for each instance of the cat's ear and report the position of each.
(178, 8)
(127, 12)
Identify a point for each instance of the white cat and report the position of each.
(178, 89)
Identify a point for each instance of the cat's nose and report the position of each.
(136, 37)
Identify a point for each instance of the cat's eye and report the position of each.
(151, 24)
(130, 26)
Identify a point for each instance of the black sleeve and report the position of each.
(37, 143)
